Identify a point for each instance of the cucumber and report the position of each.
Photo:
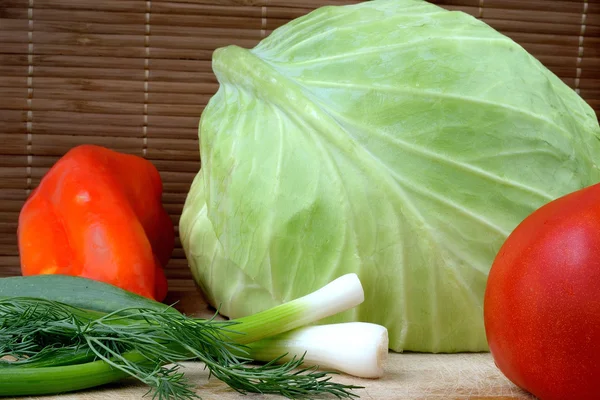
(80, 356)
(78, 292)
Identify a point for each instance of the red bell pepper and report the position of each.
(98, 214)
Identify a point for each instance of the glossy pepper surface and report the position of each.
(98, 214)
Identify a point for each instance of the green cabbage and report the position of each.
(393, 139)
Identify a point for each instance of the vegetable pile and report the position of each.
(392, 139)
(48, 345)
(390, 144)
(93, 237)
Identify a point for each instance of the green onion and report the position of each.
(339, 295)
(356, 348)
(18, 381)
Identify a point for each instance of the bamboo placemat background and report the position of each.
(134, 75)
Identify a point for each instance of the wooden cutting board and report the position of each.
(409, 376)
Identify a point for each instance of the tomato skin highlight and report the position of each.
(542, 300)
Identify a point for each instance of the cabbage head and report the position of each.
(393, 139)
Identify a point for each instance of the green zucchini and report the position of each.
(76, 291)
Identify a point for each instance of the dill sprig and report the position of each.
(149, 345)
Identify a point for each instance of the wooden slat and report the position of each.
(10, 101)
(204, 32)
(9, 263)
(85, 61)
(13, 81)
(92, 107)
(185, 20)
(76, 72)
(174, 197)
(573, 7)
(185, 110)
(176, 187)
(12, 128)
(174, 209)
(82, 118)
(173, 121)
(168, 149)
(172, 133)
(9, 195)
(508, 26)
(55, 95)
(561, 61)
(57, 145)
(559, 18)
(192, 43)
(558, 40)
(182, 98)
(13, 24)
(310, 4)
(167, 7)
(193, 77)
(177, 176)
(90, 50)
(106, 5)
(595, 104)
(137, 18)
(12, 116)
(570, 71)
(9, 205)
(83, 127)
(8, 228)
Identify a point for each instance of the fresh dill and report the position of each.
(148, 345)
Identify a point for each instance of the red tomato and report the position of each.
(542, 300)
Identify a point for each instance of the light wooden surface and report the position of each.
(408, 376)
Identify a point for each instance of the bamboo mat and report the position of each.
(134, 75)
